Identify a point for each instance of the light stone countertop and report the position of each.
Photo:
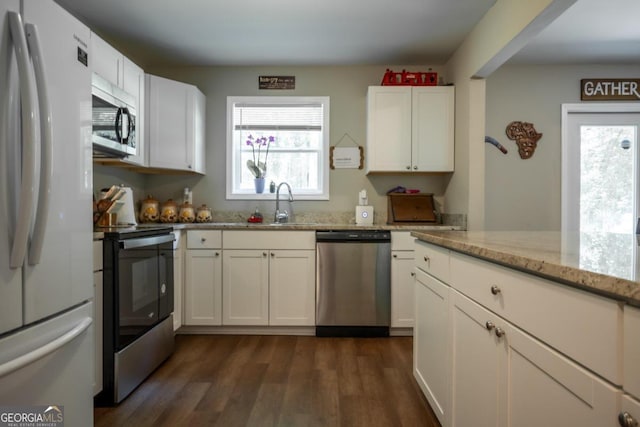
(603, 263)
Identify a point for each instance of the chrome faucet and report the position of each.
(281, 217)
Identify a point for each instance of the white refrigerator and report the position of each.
(46, 283)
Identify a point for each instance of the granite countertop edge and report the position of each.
(626, 291)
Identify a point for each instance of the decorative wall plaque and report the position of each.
(610, 89)
(525, 136)
(276, 82)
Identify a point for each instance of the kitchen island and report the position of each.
(603, 263)
(528, 328)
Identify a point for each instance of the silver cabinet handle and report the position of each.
(217, 254)
(203, 239)
(495, 290)
(272, 254)
(500, 332)
(426, 259)
(264, 254)
(413, 274)
(408, 167)
(626, 420)
(415, 168)
(395, 255)
(489, 325)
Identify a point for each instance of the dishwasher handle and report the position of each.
(356, 236)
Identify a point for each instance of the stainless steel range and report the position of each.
(138, 302)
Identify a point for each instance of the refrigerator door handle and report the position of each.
(29, 130)
(37, 354)
(46, 138)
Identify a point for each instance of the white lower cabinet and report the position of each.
(402, 278)
(203, 278)
(268, 278)
(432, 343)
(245, 287)
(269, 287)
(481, 362)
(292, 288)
(504, 377)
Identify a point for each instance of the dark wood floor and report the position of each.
(278, 381)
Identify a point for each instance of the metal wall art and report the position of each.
(526, 136)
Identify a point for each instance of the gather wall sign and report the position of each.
(610, 89)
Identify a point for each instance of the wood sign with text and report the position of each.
(610, 89)
(276, 82)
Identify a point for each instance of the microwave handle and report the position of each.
(46, 138)
(118, 125)
(125, 112)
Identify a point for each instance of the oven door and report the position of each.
(145, 287)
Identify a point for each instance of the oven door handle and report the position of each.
(146, 241)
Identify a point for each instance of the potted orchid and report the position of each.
(259, 168)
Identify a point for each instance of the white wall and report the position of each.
(525, 194)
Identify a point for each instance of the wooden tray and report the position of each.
(408, 209)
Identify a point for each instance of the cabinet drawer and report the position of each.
(204, 239)
(584, 326)
(97, 255)
(402, 241)
(265, 239)
(433, 260)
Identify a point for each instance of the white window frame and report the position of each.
(323, 166)
(570, 169)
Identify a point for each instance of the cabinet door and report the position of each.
(478, 355)
(203, 287)
(133, 83)
(245, 287)
(292, 288)
(432, 344)
(432, 128)
(199, 127)
(389, 129)
(544, 388)
(170, 127)
(106, 61)
(402, 296)
(631, 368)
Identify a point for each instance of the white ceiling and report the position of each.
(344, 32)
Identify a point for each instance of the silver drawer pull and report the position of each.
(495, 290)
(489, 325)
(500, 332)
(203, 239)
(426, 259)
(626, 420)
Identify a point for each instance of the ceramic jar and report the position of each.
(149, 210)
(169, 211)
(187, 213)
(204, 214)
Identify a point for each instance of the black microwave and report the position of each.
(113, 120)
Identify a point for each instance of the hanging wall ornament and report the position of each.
(525, 135)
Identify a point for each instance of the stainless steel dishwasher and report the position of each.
(353, 283)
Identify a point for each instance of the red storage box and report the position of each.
(408, 78)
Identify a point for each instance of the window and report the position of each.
(297, 153)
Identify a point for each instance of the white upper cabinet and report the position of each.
(176, 125)
(119, 70)
(410, 128)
